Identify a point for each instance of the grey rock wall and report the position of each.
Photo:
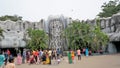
(110, 25)
(15, 32)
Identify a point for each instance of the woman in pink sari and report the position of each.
(19, 59)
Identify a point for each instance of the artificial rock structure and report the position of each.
(15, 32)
(56, 24)
(111, 26)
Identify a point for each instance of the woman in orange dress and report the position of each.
(72, 55)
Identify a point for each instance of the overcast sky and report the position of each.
(34, 10)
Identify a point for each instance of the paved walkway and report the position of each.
(103, 61)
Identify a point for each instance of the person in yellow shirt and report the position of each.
(47, 58)
(49, 53)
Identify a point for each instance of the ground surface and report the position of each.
(103, 61)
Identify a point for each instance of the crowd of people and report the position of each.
(30, 57)
(6, 59)
(39, 57)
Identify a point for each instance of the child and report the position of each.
(58, 60)
(10, 64)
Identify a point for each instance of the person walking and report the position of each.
(69, 57)
(44, 58)
(24, 56)
(73, 56)
(58, 53)
(79, 54)
(19, 59)
(54, 55)
(8, 53)
(86, 52)
(36, 56)
(40, 55)
(49, 53)
(6, 57)
(2, 59)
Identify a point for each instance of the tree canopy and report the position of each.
(38, 39)
(81, 35)
(110, 8)
(1, 33)
(12, 18)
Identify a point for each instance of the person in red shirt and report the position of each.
(33, 53)
(36, 56)
(8, 52)
(32, 60)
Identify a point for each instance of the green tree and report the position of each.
(99, 38)
(12, 18)
(110, 8)
(1, 33)
(80, 35)
(38, 39)
(77, 34)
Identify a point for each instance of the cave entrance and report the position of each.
(117, 45)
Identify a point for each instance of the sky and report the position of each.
(34, 10)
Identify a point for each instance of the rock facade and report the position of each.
(15, 32)
(56, 24)
(110, 25)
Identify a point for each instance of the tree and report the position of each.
(38, 39)
(110, 8)
(12, 18)
(81, 34)
(99, 38)
(77, 34)
(1, 33)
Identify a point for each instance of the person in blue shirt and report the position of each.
(24, 56)
(86, 52)
(2, 59)
(6, 57)
(58, 52)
